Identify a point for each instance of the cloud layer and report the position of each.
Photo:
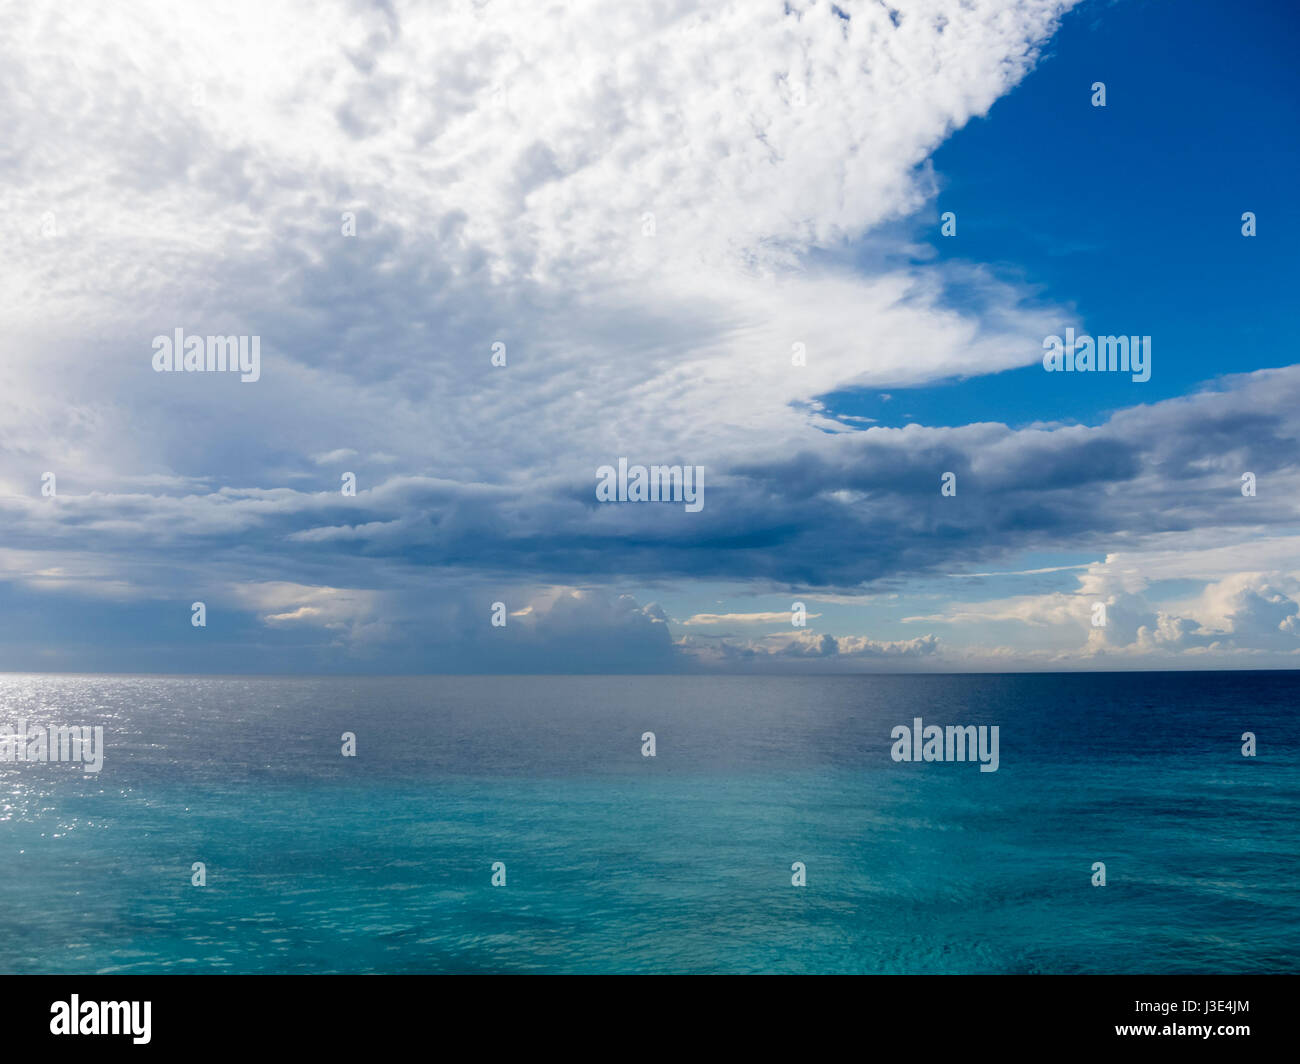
(658, 215)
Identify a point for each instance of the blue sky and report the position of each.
(651, 211)
(1085, 203)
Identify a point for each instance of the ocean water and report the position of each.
(679, 863)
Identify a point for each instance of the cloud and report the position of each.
(1243, 614)
(788, 649)
(340, 454)
(777, 617)
(500, 167)
(652, 207)
(782, 521)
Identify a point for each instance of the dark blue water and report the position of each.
(680, 863)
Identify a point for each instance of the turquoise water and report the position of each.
(619, 863)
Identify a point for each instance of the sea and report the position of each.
(516, 824)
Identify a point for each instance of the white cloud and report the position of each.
(500, 160)
(1234, 612)
(770, 617)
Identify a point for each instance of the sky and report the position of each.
(487, 248)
